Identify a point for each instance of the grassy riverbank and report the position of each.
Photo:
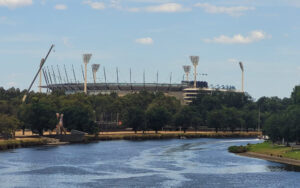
(269, 151)
(171, 135)
(28, 142)
(20, 143)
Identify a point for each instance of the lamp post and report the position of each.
(242, 69)
(86, 59)
(195, 60)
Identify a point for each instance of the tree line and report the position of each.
(143, 111)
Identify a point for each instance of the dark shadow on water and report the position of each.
(284, 167)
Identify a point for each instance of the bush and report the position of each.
(238, 149)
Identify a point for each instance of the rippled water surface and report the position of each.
(168, 163)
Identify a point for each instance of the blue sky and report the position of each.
(156, 35)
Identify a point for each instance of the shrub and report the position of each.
(238, 149)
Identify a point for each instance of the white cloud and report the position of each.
(253, 36)
(95, 5)
(15, 3)
(167, 7)
(232, 11)
(145, 41)
(60, 7)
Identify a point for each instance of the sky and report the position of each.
(155, 36)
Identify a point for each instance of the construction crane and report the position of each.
(43, 60)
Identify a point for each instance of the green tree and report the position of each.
(79, 117)
(216, 119)
(134, 118)
(8, 125)
(157, 117)
(38, 116)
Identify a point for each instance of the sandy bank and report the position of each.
(271, 158)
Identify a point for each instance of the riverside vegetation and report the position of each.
(268, 148)
(220, 111)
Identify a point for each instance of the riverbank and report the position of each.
(170, 135)
(21, 143)
(270, 152)
(107, 136)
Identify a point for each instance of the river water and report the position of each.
(167, 163)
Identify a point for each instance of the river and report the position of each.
(158, 163)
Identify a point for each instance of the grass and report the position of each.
(275, 150)
(169, 135)
(24, 142)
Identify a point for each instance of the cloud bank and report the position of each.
(253, 36)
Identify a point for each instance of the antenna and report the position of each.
(195, 60)
(187, 69)
(130, 75)
(45, 76)
(117, 75)
(82, 73)
(104, 74)
(59, 75)
(41, 65)
(74, 74)
(86, 59)
(144, 78)
(49, 75)
(54, 76)
(66, 73)
(95, 68)
(242, 69)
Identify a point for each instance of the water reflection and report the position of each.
(168, 163)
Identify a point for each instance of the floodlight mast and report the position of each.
(41, 66)
(86, 59)
(187, 70)
(242, 69)
(95, 68)
(195, 61)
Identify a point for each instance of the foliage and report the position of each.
(38, 116)
(8, 125)
(238, 149)
(157, 117)
(135, 118)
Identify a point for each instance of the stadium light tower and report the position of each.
(86, 59)
(242, 69)
(187, 70)
(95, 68)
(195, 61)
